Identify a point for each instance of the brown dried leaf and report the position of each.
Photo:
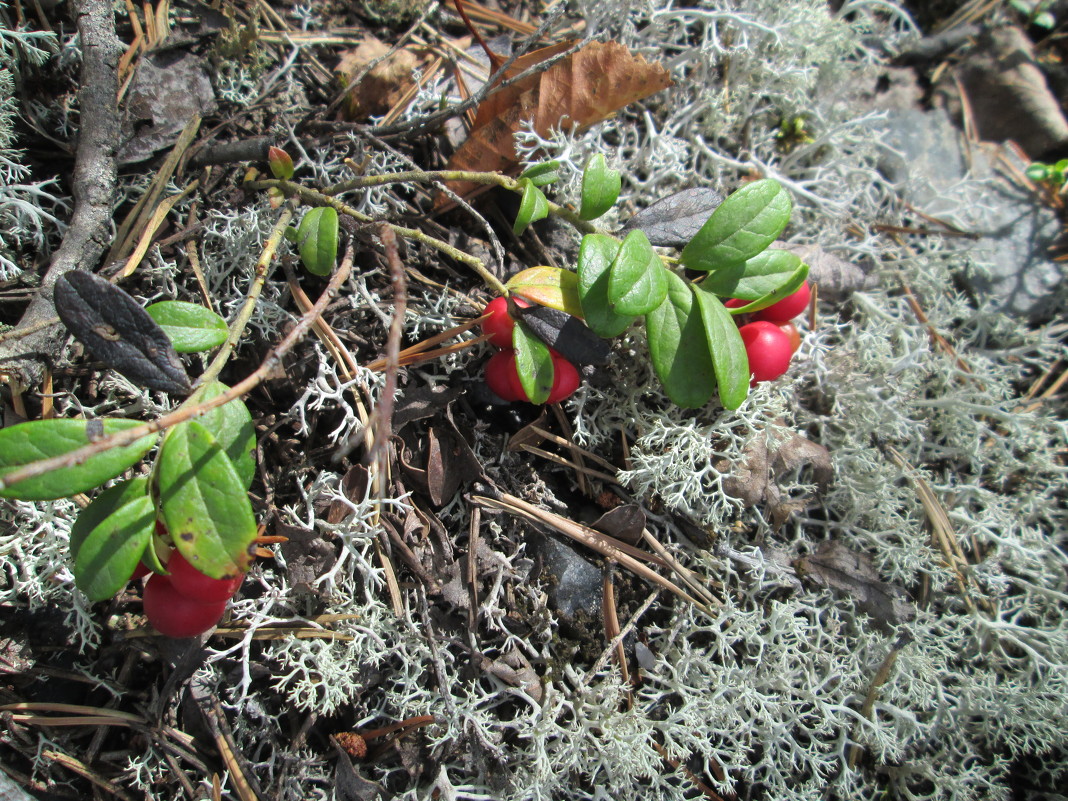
(307, 556)
(586, 87)
(836, 278)
(837, 567)
(626, 522)
(755, 480)
(381, 88)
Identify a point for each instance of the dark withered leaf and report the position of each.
(625, 522)
(567, 335)
(119, 332)
(674, 220)
(843, 570)
(418, 403)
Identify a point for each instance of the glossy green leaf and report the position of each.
(554, 287)
(190, 327)
(760, 276)
(595, 257)
(678, 347)
(790, 285)
(542, 174)
(109, 537)
(637, 281)
(532, 207)
(533, 363)
(204, 503)
(600, 188)
(317, 240)
(42, 439)
(728, 351)
(744, 225)
(231, 425)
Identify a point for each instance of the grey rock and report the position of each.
(1015, 231)
(574, 585)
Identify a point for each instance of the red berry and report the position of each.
(503, 377)
(736, 303)
(565, 379)
(499, 324)
(788, 308)
(795, 336)
(196, 586)
(174, 615)
(768, 349)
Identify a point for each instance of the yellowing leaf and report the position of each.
(554, 287)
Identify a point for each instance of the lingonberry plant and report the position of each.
(194, 503)
(694, 343)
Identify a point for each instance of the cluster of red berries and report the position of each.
(502, 376)
(770, 338)
(186, 602)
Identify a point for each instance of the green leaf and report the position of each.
(679, 348)
(636, 279)
(533, 362)
(1038, 172)
(280, 162)
(790, 285)
(743, 226)
(204, 503)
(554, 287)
(728, 351)
(595, 257)
(317, 240)
(190, 327)
(109, 537)
(42, 439)
(600, 188)
(231, 425)
(532, 207)
(761, 275)
(542, 174)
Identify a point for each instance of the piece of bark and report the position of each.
(94, 188)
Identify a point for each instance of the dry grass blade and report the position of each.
(942, 532)
(608, 547)
(689, 578)
(72, 710)
(582, 470)
(612, 629)
(83, 770)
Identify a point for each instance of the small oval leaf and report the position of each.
(787, 287)
(744, 225)
(231, 425)
(678, 347)
(595, 257)
(42, 439)
(532, 207)
(204, 503)
(190, 327)
(280, 162)
(554, 287)
(533, 362)
(675, 220)
(542, 174)
(109, 537)
(119, 332)
(636, 280)
(317, 240)
(752, 280)
(728, 351)
(600, 188)
(565, 334)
